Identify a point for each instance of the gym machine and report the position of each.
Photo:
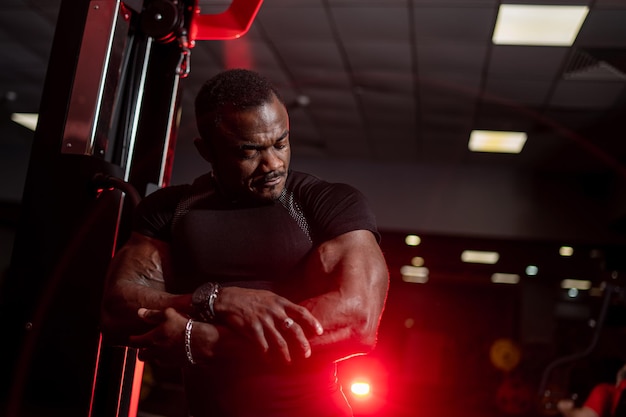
(107, 128)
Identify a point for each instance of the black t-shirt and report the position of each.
(260, 246)
(218, 240)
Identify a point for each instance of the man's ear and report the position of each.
(204, 149)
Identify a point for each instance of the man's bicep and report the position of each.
(354, 261)
(135, 279)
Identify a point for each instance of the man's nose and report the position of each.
(271, 161)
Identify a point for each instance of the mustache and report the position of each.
(272, 175)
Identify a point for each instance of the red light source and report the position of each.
(364, 379)
(360, 388)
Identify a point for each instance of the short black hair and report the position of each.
(231, 90)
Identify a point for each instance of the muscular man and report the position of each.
(255, 279)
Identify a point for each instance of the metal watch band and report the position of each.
(203, 300)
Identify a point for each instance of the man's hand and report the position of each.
(278, 326)
(165, 343)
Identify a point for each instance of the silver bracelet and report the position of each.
(188, 341)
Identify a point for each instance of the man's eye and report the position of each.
(249, 153)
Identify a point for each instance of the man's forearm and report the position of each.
(350, 326)
(119, 317)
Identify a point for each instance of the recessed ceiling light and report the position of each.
(566, 251)
(538, 25)
(412, 240)
(28, 120)
(532, 270)
(496, 141)
(572, 292)
(480, 257)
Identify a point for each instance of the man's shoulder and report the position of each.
(310, 182)
(169, 193)
(299, 178)
(178, 191)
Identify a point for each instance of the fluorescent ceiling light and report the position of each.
(566, 251)
(414, 274)
(480, 257)
(500, 278)
(576, 283)
(496, 141)
(521, 24)
(28, 120)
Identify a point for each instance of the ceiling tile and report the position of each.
(311, 54)
(574, 119)
(447, 146)
(379, 55)
(603, 28)
(388, 142)
(613, 4)
(332, 101)
(456, 3)
(495, 116)
(445, 121)
(367, 3)
(307, 24)
(291, 3)
(586, 94)
(388, 109)
(454, 24)
(383, 81)
(371, 24)
(246, 53)
(526, 62)
(517, 91)
(448, 59)
(346, 141)
(14, 20)
(450, 91)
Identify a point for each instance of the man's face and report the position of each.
(251, 152)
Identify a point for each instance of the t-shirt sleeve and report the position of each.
(341, 208)
(153, 215)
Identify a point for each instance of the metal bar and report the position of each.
(233, 23)
(97, 76)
